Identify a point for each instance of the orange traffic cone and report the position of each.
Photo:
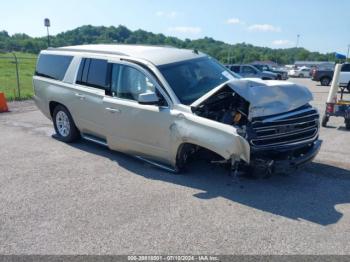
(3, 104)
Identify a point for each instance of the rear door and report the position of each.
(344, 77)
(91, 83)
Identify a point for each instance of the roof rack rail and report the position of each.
(86, 51)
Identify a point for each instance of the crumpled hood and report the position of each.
(270, 97)
(266, 97)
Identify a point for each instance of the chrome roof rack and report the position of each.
(86, 51)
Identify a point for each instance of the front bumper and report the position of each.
(303, 158)
(287, 160)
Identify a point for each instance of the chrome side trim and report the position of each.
(169, 169)
(92, 139)
(161, 166)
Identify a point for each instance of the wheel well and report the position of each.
(52, 106)
(189, 150)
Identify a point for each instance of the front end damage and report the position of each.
(275, 118)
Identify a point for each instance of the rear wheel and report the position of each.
(325, 120)
(348, 87)
(64, 125)
(325, 81)
(301, 75)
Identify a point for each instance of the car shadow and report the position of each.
(343, 128)
(310, 194)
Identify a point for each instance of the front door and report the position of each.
(132, 127)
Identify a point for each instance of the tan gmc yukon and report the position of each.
(164, 105)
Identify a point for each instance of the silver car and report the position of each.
(165, 105)
(250, 71)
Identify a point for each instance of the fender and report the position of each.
(217, 137)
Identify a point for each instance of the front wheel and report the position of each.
(325, 120)
(64, 125)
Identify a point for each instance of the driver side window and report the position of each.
(128, 82)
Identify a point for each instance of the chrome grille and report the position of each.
(295, 127)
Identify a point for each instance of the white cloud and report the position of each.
(233, 21)
(282, 42)
(171, 14)
(264, 28)
(185, 29)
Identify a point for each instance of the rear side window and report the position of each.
(345, 68)
(52, 66)
(93, 72)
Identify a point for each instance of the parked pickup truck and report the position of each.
(325, 76)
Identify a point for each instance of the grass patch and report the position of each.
(8, 82)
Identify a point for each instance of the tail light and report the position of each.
(330, 108)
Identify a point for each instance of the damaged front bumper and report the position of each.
(285, 161)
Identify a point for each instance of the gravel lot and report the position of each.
(57, 198)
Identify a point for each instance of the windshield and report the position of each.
(191, 79)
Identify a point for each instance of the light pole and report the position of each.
(298, 36)
(47, 24)
(347, 54)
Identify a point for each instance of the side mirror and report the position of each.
(148, 98)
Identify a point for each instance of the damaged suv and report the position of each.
(164, 105)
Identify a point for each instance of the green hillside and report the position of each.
(100, 34)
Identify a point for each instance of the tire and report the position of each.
(348, 87)
(347, 124)
(65, 127)
(325, 81)
(325, 120)
(300, 75)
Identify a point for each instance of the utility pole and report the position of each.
(298, 36)
(47, 24)
(347, 54)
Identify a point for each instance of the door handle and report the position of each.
(113, 110)
(80, 96)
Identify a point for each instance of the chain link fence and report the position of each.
(16, 72)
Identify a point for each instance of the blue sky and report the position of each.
(323, 25)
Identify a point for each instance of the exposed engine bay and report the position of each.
(226, 107)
